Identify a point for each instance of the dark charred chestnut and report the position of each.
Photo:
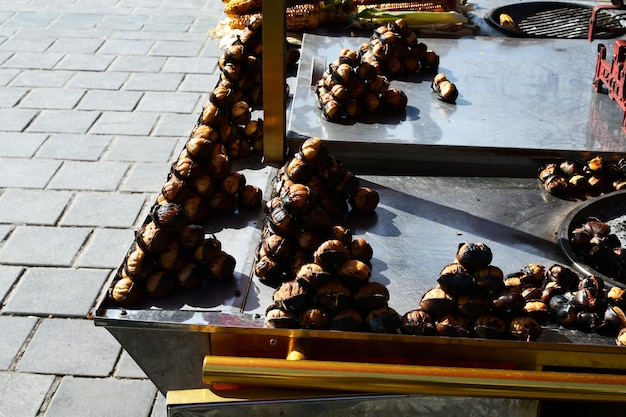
(370, 296)
(170, 217)
(160, 284)
(580, 238)
(314, 319)
(593, 282)
(347, 320)
(331, 254)
(364, 200)
(489, 326)
(290, 296)
(562, 311)
(614, 319)
(333, 296)
(474, 256)
(508, 302)
(525, 328)
(453, 325)
(588, 299)
(353, 273)
(222, 268)
(191, 236)
(473, 303)
(281, 222)
(437, 303)
(556, 184)
(537, 309)
(126, 292)
(550, 290)
(566, 277)
(383, 320)
(151, 238)
(269, 271)
(276, 247)
(570, 168)
(547, 171)
(342, 234)
(297, 198)
(532, 293)
(454, 279)
(208, 250)
(588, 321)
(280, 319)
(532, 274)
(314, 151)
(417, 322)
(360, 249)
(617, 296)
(490, 279)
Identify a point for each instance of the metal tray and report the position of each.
(556, 20)
(610, 208)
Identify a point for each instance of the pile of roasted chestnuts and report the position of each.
(476, 299)
(320, 271)
(357, 83)
(571, 178)
(599, 248)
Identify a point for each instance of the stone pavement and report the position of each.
(96, 99)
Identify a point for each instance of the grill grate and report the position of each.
(558, 20)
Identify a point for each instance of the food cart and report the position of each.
(446, 174)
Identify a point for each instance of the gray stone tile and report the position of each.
(85, 62)
(57, 292)
(125, 148)
(4, 231)
(147, 178)
(160, 406)
(16, 120)
(153, 82)
(43, 245)
(8, 276)
(98, 80)
(23, 394)
(29, 19)
(63, 121)
(126, 47)
(80, 21)
(33, 60)
(71, 347)
(26, 173)
(33, 206)
(103, 209)
(200, 83)
(41, 78)
(128, 368)
(6, 75)
(4, 56)
(51, 98)
(76, 46)
(135, 63)
(11, 96)
(166, 27)
(20, 145)
(156, 101)
(109, 397)
(113, 22)
(178, 125)
(172, 48)
(96, 176)
(110, 100)
(74, 147)
(187, 65)
(13, 334)
(26, 44)
(106, 248)
(125, 123)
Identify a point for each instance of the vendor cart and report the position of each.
(446, 174)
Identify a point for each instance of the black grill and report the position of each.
(558, 20)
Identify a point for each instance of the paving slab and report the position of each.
(176, 48)
(136, 63)
(85, 62)
(133, 148)
(63, 121)
(20, 145)
(126, 47)
(201, 83)
(186, 65)
(125, 123)
(59, 292)
(128, 368)
(167, 102)
(94, 176)
(177, 125)
(72, 45)
(7, 74)
(13, 333)
(43, 245)
(41, 78)
(8, 277)
(98, 80)
(11, 96)
(71, 347)
(74, 147)
(16, 120)
(24, 43)
(160, 406)
(23, 394)
(146, 178)
(27, 173)
(42, 207)
(33, 60)
(52, 98)
(153, 82)
(103, 100)
(108, 397)
(106, 248)
(101, 209)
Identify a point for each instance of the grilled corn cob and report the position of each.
(301, 16)
(410, 6)
(241, 7)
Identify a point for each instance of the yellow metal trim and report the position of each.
(274, 101)
(413, 379)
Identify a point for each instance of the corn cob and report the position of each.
(302, 16)
(421, 6)
(241, 7)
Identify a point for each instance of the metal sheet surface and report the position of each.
(516, 97)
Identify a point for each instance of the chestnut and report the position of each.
(566, 277)
(190, 275)
(489, 326)
(383, 320)
(417, 322)
(525, 328)
(489, 279)
(161, 283)
(126, 292)
(312, 275)
(276, 247)
(562, 311)
(170, 216)
(474, 256)
(473, 303)
(222, 268)
(620, 340)
(314, 319)
(333, 296)
(508, 302)
(437, 303)
(370, 296)
(614, 319)
(269, 271)
(297, 197)
(588, 321)
(280, 319)
(315, 220)
(290, 296)
(532, 293)
(556, 184)
(360, 249)
(353, 273)
(550, 290)
(347, 320)
(454, 279)
(453, 325)
(364, 200)
(190, 236)
(308, 241)
(313, 150)
(532, 274)
(331, 254)
(208, 250)
(341, 233)
(537, 309)
(250, 196)
(617, 296)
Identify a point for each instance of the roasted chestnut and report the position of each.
(333, 296)
(222, 268)
(291, 296)
(269, 271)
(383, 320)
(276, 247)
(564, 276)
(126, 292)
(161, 283)
(417, 322)
(473, 303)
(621, 338)
(346, 320)
(614, 319)
(208, 250)
(588, 321)
(313, 150)
(250, 196)
(562, 311)
(437, 303)
(190, 275)
(474, 256)
(508, 302)
(370, 296)
(314, 319)
(312, 275)
(537, 309)
(360, 249)
(617, 296)
(297, 197)
(489, 279)
(489, 326)
(353, 273)
(525, 328)
(364, 200)
(331, 254)
(280, 319)
(532, 274)
(454, 279)
(453, 325)
(170, 216)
